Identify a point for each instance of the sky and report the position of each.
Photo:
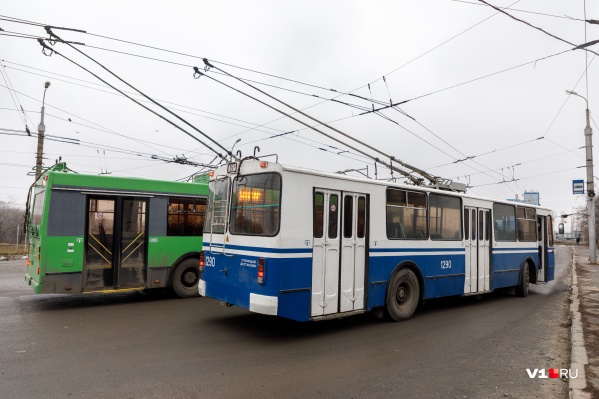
(483, 96)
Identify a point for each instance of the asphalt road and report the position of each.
(138, 345)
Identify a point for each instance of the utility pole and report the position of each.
(41, 129)
(588, 139)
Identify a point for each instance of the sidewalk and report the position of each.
(585, 325)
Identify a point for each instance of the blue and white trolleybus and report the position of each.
(308, 245)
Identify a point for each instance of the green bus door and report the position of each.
(116, 245)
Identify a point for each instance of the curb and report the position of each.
(578, 358)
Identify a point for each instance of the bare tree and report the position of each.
(11, 216)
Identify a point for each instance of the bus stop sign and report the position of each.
(578, 186)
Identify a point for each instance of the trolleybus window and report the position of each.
(333, 209)
(186, 216)
(361, 217)
(38, 207)
(504, 220)
(550, 230)
(445, 217)
(527, 224)
(217, 206)
(406, 214)
(318, 215)
(347, 216)
(255, 205)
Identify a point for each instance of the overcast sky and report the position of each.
(479, 83)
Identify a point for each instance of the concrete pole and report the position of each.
(588, 135)
(41, 129)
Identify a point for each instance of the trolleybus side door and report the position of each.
(98, 273)
(115, 255)
(326, 254)
(484, 249)
(543, 248)
(353, 252)
(132, 271)
(477, 242)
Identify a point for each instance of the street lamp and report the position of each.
(40, 138)
(588, 135)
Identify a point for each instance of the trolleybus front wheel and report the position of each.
(403, 295)
(185, 278)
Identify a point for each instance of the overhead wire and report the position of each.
(523, 11)
(53, 35)
(387, 117)
(406, 174)
(132, 99)
(352, 94)
(576, 47)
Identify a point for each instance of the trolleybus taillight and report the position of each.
(201, 265)
(261, 263)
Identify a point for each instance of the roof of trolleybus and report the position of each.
(276, 167)
(131, 185)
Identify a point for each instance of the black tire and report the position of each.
(185, 278)
(403, 295)
(522, 288)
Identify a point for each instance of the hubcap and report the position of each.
(189, 278)
(402, 293)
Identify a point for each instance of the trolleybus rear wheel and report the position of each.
(185, 278)
(522, 288)
(403, 295)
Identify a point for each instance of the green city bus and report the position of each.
(105, 234)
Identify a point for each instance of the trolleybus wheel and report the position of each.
(403, 295)
(522, 288)
(185, 278)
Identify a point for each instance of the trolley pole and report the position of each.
(41, 129)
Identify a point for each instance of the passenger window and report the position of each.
(185, 216)
(348, 213)
(361, 217)
(333, 215)
(318, 215)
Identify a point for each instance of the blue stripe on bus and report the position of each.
(382, 250)
(532, 249)
(261, 249)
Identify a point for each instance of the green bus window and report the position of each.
(38, 207)
(185, 216)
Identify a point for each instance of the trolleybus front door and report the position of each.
(115, 255)
(477, 237)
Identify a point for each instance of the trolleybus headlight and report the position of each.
(261, 268)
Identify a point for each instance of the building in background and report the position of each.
(530, 197)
